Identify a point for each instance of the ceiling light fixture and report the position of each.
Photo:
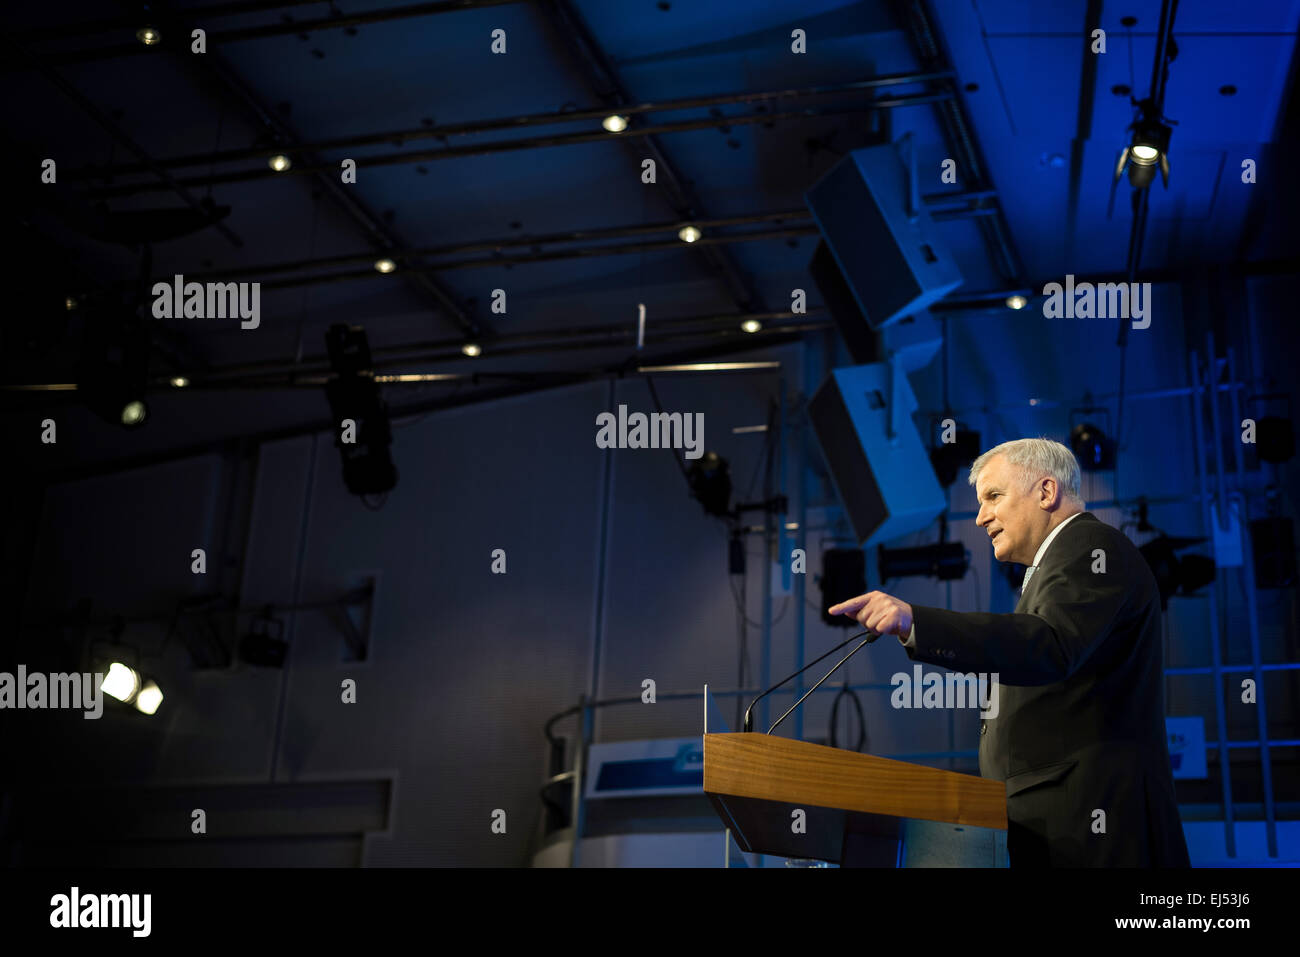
(149, 36)
(688, 234)
(179, 381)
(149, 697)
(279, 162)
(615, 123)
(134, 413)
(1017, 302)
(751, 325)
(1149, 148)
(470, 349)
(385, 265)
(121, 682)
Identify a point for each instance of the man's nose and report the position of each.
(982, 519)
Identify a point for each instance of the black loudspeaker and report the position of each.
(862, 417)
(864, 343)
(844, 576)
(1273, 549)
(1274, 439)
(890, 263)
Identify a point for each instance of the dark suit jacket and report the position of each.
(1080, 725)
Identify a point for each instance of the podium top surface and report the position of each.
(767, 768)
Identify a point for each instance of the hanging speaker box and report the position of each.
(862, 417)
(890, 265)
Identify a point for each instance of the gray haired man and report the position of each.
(1079, 738)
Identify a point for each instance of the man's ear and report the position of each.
(1049, 493)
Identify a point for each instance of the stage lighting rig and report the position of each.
(1149, 148)
(710, 479)
(354, 398)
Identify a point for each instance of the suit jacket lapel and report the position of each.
(1053, 552)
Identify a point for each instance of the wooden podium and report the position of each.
(860, 810)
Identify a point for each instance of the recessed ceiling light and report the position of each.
(134, 413)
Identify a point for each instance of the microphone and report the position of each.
(870, 638)
(749, 720)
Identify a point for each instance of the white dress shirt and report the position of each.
(910, 641)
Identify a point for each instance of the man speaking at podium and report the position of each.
(1079, 737)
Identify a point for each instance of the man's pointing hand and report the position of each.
(881, 613)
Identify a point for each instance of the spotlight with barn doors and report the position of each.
(1094, 449)
(1149, 148)
(1175, 574)
(710, 480)
(113, 367)
(354, 398)
(127, 685)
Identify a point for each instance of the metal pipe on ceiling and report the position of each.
(593, 114)
(528, 343)
(167, 184)
(213, 69)
(182, 22)
(135, 20)
(997, 235)
(940, 205)
(587, 252)
(264, 172)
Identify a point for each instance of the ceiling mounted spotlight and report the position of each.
(710, 481)
(149, 36)
(121, 682)
(615, 123)
(149, 697)
(279, 162)
(1017, 302)
(128, 686)
(688, 234)
(1149, 148)
(1174, 574)
(751, 325)
(179, 381)
(385, 265)
(1092, 447)
(471, 349)
(354, 395)
(134, 413)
